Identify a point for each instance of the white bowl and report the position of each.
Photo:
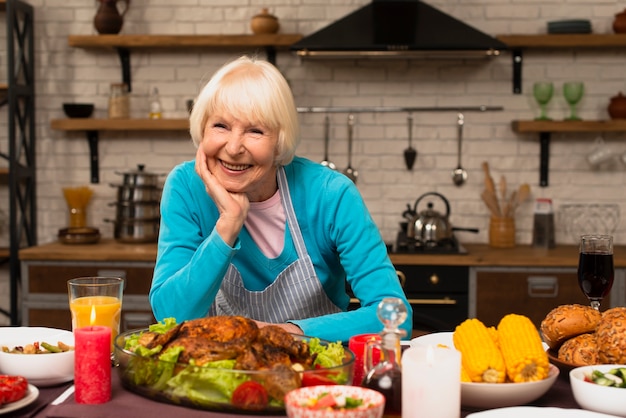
(594, 397)
(499, 395)
(492, 395)
(295, 399)
(38, 369)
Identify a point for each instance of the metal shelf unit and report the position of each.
(20, 103)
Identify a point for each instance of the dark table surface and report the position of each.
(124, 403)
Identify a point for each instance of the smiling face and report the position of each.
(241, 155)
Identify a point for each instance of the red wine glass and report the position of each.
(595, 267)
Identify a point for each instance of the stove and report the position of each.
(406, 245)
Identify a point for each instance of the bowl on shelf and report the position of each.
(595, 397)
(78, 110)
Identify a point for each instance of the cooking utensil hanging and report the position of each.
(327, 162)
(410, 153)
(349, 170)
(459, 175)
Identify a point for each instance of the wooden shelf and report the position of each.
(590, 40)
(545, 128)
(524, 126)
(282, 41)
(4, 175)
(4, 253)
(517, 43)
(89, 124)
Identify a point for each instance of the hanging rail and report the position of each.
(398, 109)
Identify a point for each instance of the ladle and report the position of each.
(459, 175)
(410, 153)
(327, 162)
(349, 171)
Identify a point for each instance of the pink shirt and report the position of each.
(266, 224)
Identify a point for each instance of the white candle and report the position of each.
(431, 382)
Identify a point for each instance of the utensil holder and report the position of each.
(502, 232)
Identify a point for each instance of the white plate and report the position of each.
(38, 369)
(537, 412)
(492, 395)
(30, 397)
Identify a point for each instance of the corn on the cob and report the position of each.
(464, 375)
(522, 349)
(480, 356)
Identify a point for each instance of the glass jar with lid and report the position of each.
(119, 101)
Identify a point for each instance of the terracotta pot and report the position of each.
(108, 19)
(617, 107)
(619, 24)
(264, 23)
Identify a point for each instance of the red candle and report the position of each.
(92, 364)
(357, 344)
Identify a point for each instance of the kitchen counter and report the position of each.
(478, 255)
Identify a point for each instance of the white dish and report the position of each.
(593, 397)
(536, 412)
(31, 396)
(38, 369)
(492, 395)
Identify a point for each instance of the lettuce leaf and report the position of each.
(326, 356)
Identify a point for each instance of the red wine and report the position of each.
(595, 274)
(389, 384)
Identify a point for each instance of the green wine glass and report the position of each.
(543, 91)
(573, 92)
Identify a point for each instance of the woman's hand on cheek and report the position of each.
(233, 207)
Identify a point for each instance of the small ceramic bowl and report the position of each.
(594, 397)
(78, 110)
(296, 402)
(39, 369)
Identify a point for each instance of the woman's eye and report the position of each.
(256, 131)
(219, 125)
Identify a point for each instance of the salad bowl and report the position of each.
(218, 386)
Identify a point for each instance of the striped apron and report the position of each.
(295, 294)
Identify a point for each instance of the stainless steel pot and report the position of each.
(136, 231)
(429, 226)
(140, 177)
(137, 210)
(137, 193)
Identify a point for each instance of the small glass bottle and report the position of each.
(119, 101)
(386, 376)
(154, 103)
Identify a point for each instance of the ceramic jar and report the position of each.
(502, 232)
(617, 107)
(108, 19)
(619, 24)
(264, 23)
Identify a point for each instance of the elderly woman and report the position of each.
(250, 229)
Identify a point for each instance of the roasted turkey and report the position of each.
(270, 348)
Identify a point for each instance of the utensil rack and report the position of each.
(398, 109)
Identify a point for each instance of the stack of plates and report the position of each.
(570, 26)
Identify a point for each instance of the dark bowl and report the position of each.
(78, 110)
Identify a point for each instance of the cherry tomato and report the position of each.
(316, 379)
(250, 395)
(12, 388)
(325, 401)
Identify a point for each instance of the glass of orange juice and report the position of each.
(96, 301)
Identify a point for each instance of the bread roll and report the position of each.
(567, 321)
(611, 336)
(581, 350)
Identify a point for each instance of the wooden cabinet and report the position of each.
(527, 291)
(44, 286)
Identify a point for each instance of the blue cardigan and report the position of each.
(341, 238)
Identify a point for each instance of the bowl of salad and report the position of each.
(334, 402)
(600, 388)
(226, 364)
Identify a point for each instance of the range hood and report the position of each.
(396, 28)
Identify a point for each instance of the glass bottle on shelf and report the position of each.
(119, 101)
(386, 376)
(155, 104)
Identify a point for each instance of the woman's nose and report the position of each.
(235, 144)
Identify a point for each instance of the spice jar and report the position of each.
(119, 101)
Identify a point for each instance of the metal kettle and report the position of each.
(430, 226)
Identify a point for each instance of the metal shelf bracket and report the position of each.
(94, 161)
(124, 54)
(544, 158)
(517, 71)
